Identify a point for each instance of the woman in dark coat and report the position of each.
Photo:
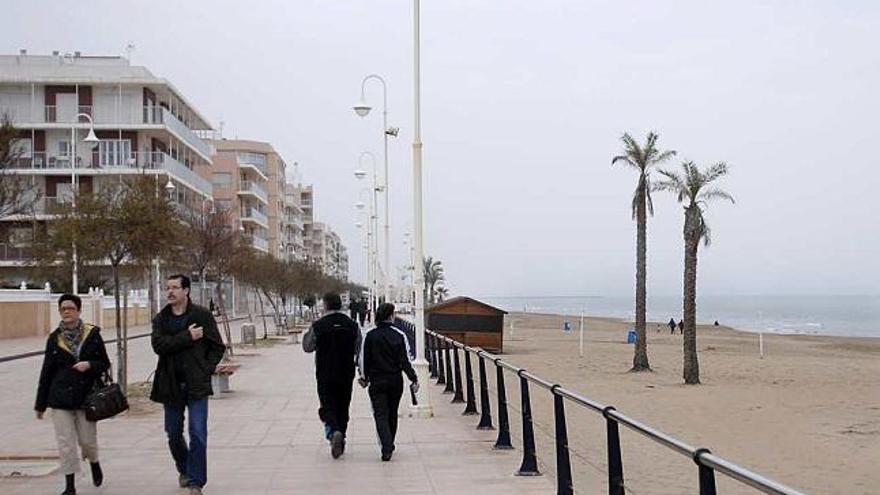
(75, 358)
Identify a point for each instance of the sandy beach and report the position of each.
(807, 414)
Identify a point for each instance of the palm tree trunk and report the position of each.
(692, 242)
(640, 356)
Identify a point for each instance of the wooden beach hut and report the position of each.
(467, 320)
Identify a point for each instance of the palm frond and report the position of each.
(705, 232)
(720, 169)
(715, 193)
(649, 202)
(664, 156)
(625, 159)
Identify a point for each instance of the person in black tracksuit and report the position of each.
(385, 357)
(337, 340)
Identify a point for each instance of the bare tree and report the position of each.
(17, 193)
(124, 225)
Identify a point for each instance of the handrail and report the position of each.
(707, 462)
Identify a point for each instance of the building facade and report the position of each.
(145, 126)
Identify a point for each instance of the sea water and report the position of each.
(849, 315)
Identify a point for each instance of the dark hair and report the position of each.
(185, 282)
(332, 301)
(384, 312)
(71, 297)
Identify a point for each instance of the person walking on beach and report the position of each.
(385, 357)
(681, 326)
(335, 339)
(671, 326)
(186, 339)
(75, 358)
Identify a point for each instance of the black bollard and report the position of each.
(485, 413)
(450, 382)
(459, 393)
(529, 466)
(471, 407)
(564, 485)
(707, 474)
(503, 441)
(615, 461)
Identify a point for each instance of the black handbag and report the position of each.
(105, 401)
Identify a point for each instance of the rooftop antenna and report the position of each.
(129, 49)
(221, 128)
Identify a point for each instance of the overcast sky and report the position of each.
(523, 104)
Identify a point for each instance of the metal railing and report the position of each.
(249, 186)
(447, 371)
(252, 213)
(10, 252)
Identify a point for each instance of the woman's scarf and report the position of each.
(73, 337)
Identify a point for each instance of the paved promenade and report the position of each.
(265, 437)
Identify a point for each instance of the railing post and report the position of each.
(459, 396)
(450, 382)
(563, 463)
(503, 440)
(431, 342)
(441, 376)
(707, 474)
(471, 407)
(529, 466)
(615, 460)
(485, 413)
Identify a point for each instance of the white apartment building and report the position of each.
(145, 125)
(293, 224)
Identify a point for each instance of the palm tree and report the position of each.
(641, 159)
(433, 275)
(442, 293)
(692, 188)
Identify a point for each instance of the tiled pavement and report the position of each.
(265, 437)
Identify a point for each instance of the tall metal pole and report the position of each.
(421, 364)
(73, 191)
(385, 181)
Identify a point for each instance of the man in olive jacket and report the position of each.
(189, 347)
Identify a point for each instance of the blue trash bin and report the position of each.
(631, 337)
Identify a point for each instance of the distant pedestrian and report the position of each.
(75, 358)
(671, 326)
(385, 358)
(362, 311)
(336, 341)
(189, 347)
(352, 309)
(681, 326)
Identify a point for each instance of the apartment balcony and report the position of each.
(258, 168)
(248, 187)
(294, 220)
(15, 254)
(104, 117)
(250, 214)
(100, 163)
(260, 243)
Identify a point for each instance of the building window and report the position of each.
(114, 152)
(221, 179)
(252, 158)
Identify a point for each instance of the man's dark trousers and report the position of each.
(385, 393)
(335, 398)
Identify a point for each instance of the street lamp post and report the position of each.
(360, 174)
(363, 109)
(92, 139)
(421, 364)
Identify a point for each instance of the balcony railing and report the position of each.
(260, 167)
(260, 243)
(10, 252)
(251, 187)
(53, 114)
(251, 213)
(122, 162)
(186, 134)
